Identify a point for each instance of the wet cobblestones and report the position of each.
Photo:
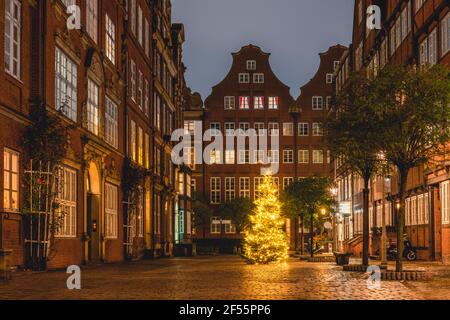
(220, 278)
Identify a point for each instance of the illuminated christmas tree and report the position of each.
(265, 241)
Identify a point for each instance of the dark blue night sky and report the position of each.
(293, 31)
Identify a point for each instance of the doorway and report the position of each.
(93, 213)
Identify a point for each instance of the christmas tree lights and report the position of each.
(265, 241)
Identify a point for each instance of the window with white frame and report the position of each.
(445, 31)
(10, 180)
(243, 128)
(229, 103)
(274, 156)
(258, 78)
(274, 129)
(317, 103)
(259, 128)
(66, 85)
(133, 140)
(258, 181)
(93, 107)
(273, 103)
(260, 157)
(288, 156)
(244, 157)
(111, 211)
(133, 16)
(92, 19)
(287, 181)
(215, 128)
(445, 201)
(230, 189)
(288, 129)
(146, 98)
(147, 150)
(140, 146)
(111, 123)
(318, 156)
(215, 157)
(428, 49)
(244, 77)
(215, 190)
(317, 129)
(13, 27)
(133, 80)
(244, 187)
(329, 78)
(303, 156)
(230, 157)
(67, 199)
(251, 65)
(244, 103)
(110, 42)
(216, 225)
(258, 103)
(229, 128)
(140, 27)
(303, 129)
(229, 226)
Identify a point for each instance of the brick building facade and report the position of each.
(413, 32)
(106, 79)
(252, 97)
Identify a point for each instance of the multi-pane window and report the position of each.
(288, 156)
(66, 85)
(243, 128)
(140, 26)
(274, 128)
(93, 107)
(133, 140)
(273, 103)
(244, 78)
(445, 202)
(147, 150)
(229, 128)
(244, 103)
(133, 16)
(274, 156)
(111, 211)
(92, 19)
(215, 157)
(428, 49)
(230, 156)
(140, 146)
(215, 190)
(258, 78)
(216, 225)
(229, 227)
(229, 102)
(110, 42)
(259, 128)
(251, 65)
(10, 180)
(140, 93)
(303, 156)
(260, 156)
(146, 98)
(244, 187)
(244, 157)
(287, 181)
(329, 78)
(67, 198)
(288, 129)
(13, 24)
(318, 156)
(317, 103)
(445, 31)
(230, 189)
(111, 123)
(133, 80)
(258, 103)
(258, 181)
(317, 129)
(303, 129)
(147, 37)
(215, 128)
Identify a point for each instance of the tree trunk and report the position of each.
(302, 234)
(311, 231)
(403, 179)
(296, 234)
(366, 231)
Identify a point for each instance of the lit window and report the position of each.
(110, 42)
(273, 103)
(258, 103)
(13, 27)
(67, 200)
(66, 85)
(244, 187)
(230, 156)
(258, 182)
(303, 156)
(140, 146)
(111, 211)
(93, 107)
(111, 123)
(318, 156)
(288, 129)
(244, 103)
(215, 157)
(11, 180)
(215, 191)
(133, 140)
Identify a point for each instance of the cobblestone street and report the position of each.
(217, 278)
